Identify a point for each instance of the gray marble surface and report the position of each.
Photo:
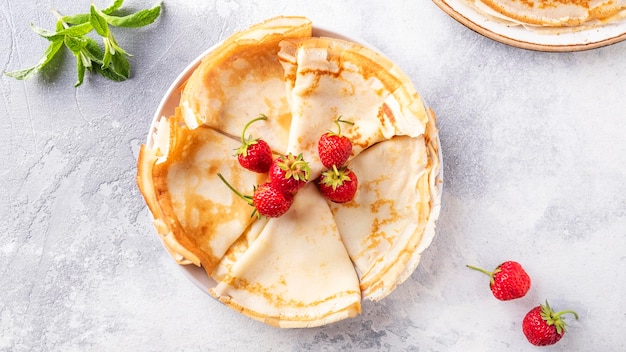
(535, 171)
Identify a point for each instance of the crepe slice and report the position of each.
(435, 182)
(392, 214)
(327, 78)
(241, 79)
(297, 272)
(555, 13)
(196, 215)
(237, 250)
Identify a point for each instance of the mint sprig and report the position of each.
(72, 31)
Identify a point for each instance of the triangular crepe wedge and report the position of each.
(386, 221)
(556, 13)
(237, 250)
(242, 78)
(196, 214)
(297, 273)
(327, 78)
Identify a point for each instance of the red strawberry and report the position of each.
(543, 327)
(508, 281)
(334, 148)
(267, 200)
(338, 186)
(254, 154)
(289, 173)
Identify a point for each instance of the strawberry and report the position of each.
(289, 173)
(334, 148)
(254, 154)
(543, 327)
(267, 200)
(508, 281)
(338, 185)
(270, 201)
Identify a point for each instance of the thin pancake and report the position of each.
(241, 79)
(297, 273)
(385, 222)
(194, 209)
(553, 12)
(327, 78)
(296, 270)
(162, 137)
(237, 250)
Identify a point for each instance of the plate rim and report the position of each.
(509, 40)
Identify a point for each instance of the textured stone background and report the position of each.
(535, 166)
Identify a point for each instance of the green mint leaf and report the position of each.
(121, 65)
(80, 69)
(114, 6)
(116, 48)
(60, 25)
(137, 19)
(109, 73)
(76, 19)
(76, 31)
(27, 73)
(98, 22)
(108, 53)
(75, 44)
(93, 51)
(42, 32)
(85, 60)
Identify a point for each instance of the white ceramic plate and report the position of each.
(521, 37)
(171, 100)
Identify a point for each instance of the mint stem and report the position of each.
(60, 18)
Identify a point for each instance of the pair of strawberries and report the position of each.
(338, 183)
(288, 173)
(541, 325)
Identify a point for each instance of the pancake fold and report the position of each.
(243, 78)
(297, 273)
(327, 78)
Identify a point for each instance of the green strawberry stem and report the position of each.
(553, 318)
(334, 177)
(488, 273)
(243, 133)
(295, 167)
(248, 199)
(558, 314)
(337, 122)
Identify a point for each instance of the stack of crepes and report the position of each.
(554, 16)
(314, 264)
